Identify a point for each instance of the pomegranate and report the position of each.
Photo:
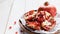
(49, 8)
(43, 18)
(30, 15)
(34, 24)
(48, 24)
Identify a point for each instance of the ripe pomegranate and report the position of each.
(34, 24)
(48, 24)
(43, 18)
(49, 8)
(40, 16)
(30, 15)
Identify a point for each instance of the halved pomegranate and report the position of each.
(48, 24)
(34, 24)
(30, 15)
(42, 16)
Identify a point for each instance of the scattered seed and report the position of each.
(16, 32)
(10, 27)
(14, 22)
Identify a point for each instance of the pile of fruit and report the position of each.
(41, 19)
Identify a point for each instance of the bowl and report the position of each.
(55, 29)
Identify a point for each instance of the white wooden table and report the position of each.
(4, 12)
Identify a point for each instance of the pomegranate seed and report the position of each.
(21, 30)
(14, 22)
(10, 27)
(16, 32)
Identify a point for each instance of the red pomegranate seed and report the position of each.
(21, 30)
(10, 27)
(16, 32)
(14, 22)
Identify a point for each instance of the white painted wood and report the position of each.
(4, 12)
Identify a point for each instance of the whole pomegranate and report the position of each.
(49, 8)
